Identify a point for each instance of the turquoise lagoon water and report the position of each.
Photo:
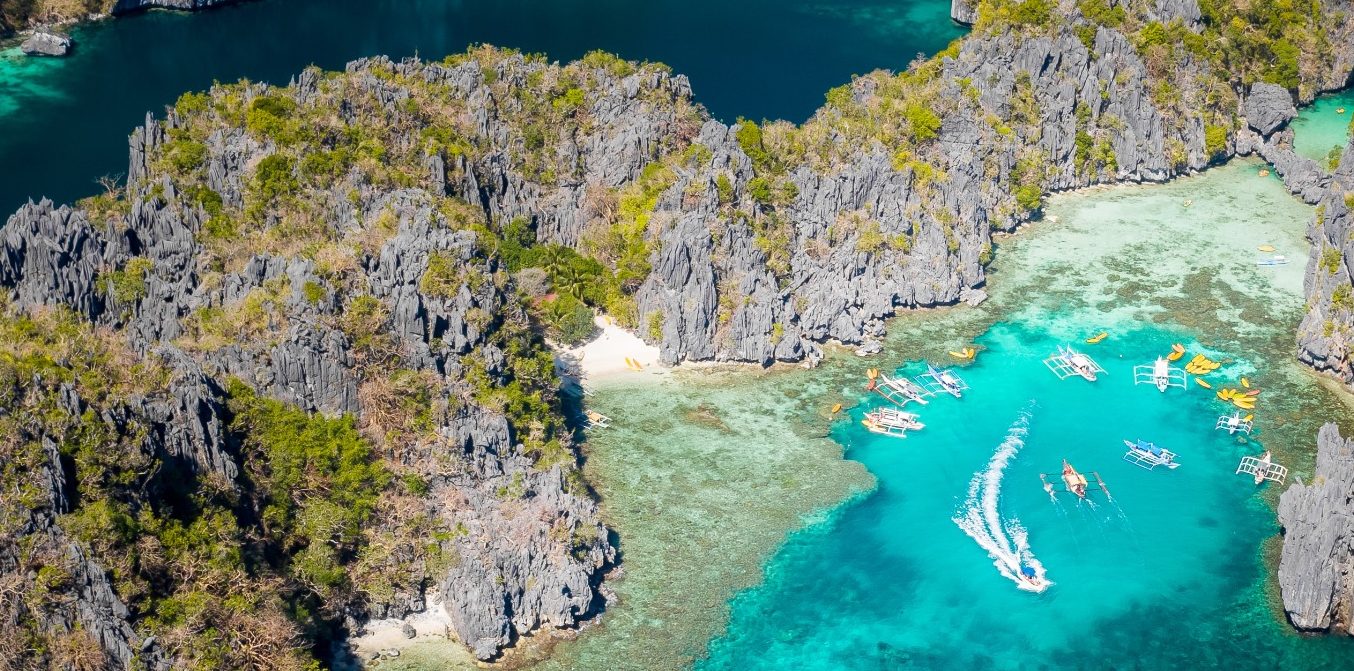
(63, 123)
(1321, 126)
(1172, 572)
(1164, 575)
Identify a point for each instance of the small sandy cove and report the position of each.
(606, 355)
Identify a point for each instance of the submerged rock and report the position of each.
(1316, 568)
(43, 43)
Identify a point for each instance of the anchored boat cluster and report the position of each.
(1065, 363)
(900, 391)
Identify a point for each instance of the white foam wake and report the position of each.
(1005, 540)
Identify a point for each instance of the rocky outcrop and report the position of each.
(130, 6)
(1268, 107)
(1305, 178)
(1316, 567)
(963, 12)
(528, 549)
(1326, 333)
(44, 43)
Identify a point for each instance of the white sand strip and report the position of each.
(605, 356)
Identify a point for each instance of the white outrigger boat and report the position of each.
(1068, 362)
(1148, 455)
(1262, 468)
(1159, 373)
(1275, 260)
(899, 391)
(891, 422)
(1235, 423)
(596, 420)
(937, 380)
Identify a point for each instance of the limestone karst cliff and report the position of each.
(338, 289)
(1318, 545)
(1326, 333)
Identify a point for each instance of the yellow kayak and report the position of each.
(1245, 383)
(1097, 338)
(1248, 418)
(1203, 384)
(1244, 402)
(836, 408)
(1174, 356)
(872, 373)
(1266, 248)
(1223, 395)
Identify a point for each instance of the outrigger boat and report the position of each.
(1068, 362)
(898, 391)
(1263, 469)
(1075, 482)
(1235, 423)
(937, 380)
(890, 422)
(1148, 455)
(596, 420)
(1160, 373)
(1273, 260)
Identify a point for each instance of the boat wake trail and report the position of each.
(1005, 539)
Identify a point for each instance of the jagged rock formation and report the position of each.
(408, 325)
(1316, 568)
(963, 11)
(45, 43)
(1268, 107)
(127, 6)
(1327, 331)
(385, 244)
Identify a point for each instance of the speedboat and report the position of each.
(1030, 580)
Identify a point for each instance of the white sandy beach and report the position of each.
(604, 357)
(385, 635)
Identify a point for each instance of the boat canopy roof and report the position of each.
(1149, 447)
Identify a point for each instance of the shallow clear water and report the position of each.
(1321, 126)
(1168, 575)
(64, 123)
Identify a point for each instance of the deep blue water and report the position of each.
(1166, 575)
(64, 123)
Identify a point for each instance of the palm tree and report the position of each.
(571, 282)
